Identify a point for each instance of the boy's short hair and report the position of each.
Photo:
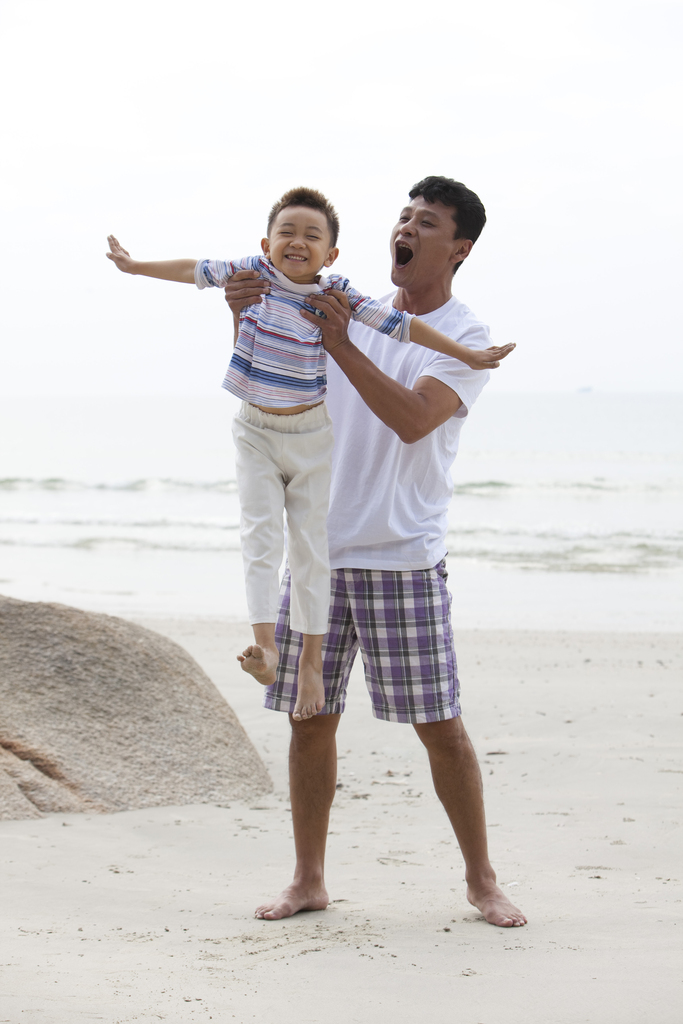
(313, 199)
(469, 213)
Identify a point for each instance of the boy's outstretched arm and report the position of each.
(166, 270)
(477, 359)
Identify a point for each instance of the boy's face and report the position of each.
(299, 244)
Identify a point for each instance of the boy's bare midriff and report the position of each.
(290, 410)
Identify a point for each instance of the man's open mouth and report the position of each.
(404, 254)
(296, 259)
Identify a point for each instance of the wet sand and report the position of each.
(147, 915)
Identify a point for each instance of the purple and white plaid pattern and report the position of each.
(401, 621)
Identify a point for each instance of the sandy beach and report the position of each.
(148, 915)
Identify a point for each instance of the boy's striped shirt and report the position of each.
(279, 360)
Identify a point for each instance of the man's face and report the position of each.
(423, 248)
(299, 243)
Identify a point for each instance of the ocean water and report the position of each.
(566, 511)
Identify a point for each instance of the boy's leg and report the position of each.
(307, 461)
(261, 492)
(310, 696)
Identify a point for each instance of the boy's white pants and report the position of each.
(283, 463)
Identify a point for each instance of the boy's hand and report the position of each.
(487, 358)
(335, 326)
(119, 255)
(244, 289)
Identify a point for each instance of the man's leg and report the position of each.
(312, 785)
(458, 785)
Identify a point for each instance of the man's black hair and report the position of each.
(469, 213)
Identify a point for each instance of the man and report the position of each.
(397, 412)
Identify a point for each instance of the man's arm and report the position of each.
(412, 413)
(166, 270)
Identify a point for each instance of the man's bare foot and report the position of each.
(310, 695)
(260, 662)
(492, 902)
(293, 899)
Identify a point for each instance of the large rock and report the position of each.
(97, 714)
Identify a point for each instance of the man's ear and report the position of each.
(331, 257)
(461, 249)
(265, 246)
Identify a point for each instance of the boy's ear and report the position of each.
(265, 247)
(331, 257)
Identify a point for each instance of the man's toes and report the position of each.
(508, 919)
(267, 914)
(516, 916)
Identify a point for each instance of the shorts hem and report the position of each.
(287, 707)
(416, 717)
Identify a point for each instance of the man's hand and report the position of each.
(488, 358)
(335, 326)
(120, 256)
(244, 289)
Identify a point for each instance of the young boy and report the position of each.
(282, 432)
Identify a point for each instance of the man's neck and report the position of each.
(423, 300)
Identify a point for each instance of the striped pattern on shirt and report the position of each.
(278, 359)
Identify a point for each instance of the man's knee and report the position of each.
(438, 735)
(314, 733)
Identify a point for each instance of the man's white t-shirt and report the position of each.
(389, 500)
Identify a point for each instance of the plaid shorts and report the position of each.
(401, 621)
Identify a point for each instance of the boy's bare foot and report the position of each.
(492, 902)
(310, 695)
(260, 662)
(291, 900)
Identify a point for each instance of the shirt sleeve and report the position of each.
(385, 319)
(466, 382)
(217, 273)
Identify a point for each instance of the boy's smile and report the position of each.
(299, 244)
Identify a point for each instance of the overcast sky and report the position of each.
(175, 126)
